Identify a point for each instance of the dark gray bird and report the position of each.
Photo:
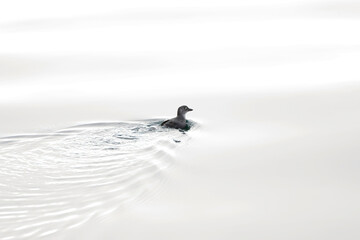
(179, 121)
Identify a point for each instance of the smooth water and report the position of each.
(57, 181)
(275, 85)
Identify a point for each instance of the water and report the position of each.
(274, 84)
(57, 181)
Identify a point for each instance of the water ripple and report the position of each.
(57, 181)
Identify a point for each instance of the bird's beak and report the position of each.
(189, 109)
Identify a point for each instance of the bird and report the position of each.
(178, 122)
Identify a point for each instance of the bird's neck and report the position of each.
(181, 116)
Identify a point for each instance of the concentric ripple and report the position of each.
(53, 182)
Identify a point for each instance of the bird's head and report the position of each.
(183, 110)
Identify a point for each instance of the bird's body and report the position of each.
(175, 123)
(178, 122)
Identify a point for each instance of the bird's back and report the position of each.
(174, 123)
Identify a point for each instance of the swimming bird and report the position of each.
(179, 121)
